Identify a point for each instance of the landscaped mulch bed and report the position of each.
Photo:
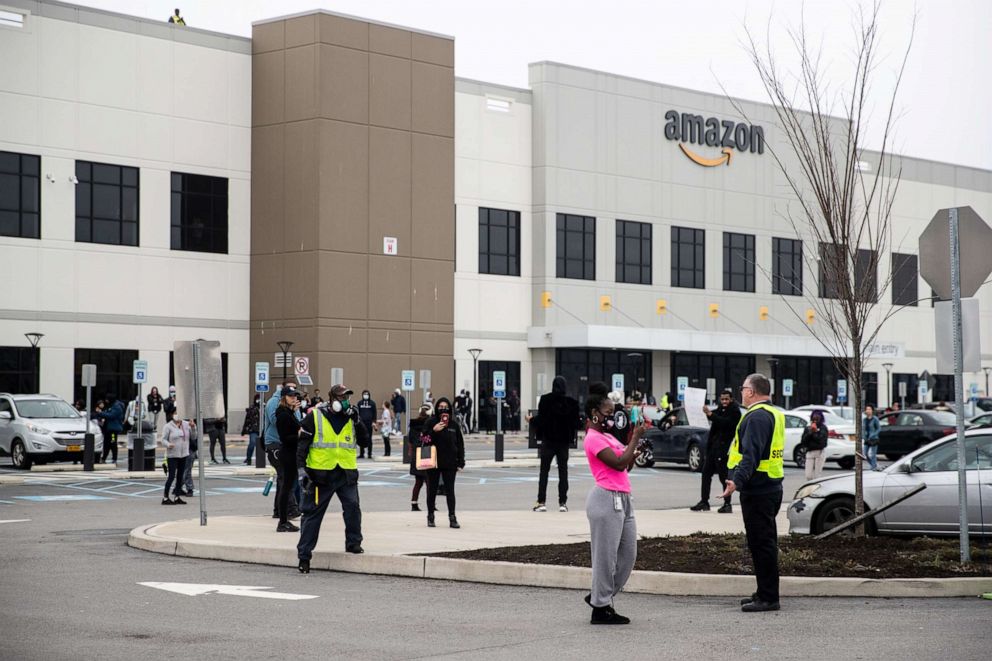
(870, 557)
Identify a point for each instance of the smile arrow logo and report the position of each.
(708, 162)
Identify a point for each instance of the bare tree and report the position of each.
(844, 197)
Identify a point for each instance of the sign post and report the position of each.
(711, 390)
(408, 383)
(842, 394)
(902, 395)
(139, 376)
(617, 383)
(261, 387)
(499, 392)
(681, 383)
(787, 392)
(301, 368)
(89, 438)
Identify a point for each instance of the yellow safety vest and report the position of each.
(772, 465)
(331, 449)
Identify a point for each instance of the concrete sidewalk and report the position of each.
(391, 538)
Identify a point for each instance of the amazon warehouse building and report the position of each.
(331, 182)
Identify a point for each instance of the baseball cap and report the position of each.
(340, 391)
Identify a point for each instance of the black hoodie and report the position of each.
(558, 416)
(449, 441)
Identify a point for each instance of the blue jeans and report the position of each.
(252, 442)
(872, 452)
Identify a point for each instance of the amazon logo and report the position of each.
(729, 136)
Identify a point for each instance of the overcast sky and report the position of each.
(944, 102)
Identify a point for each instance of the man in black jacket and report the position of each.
(723, 425)
(558, 422)
(367, 413)
(330, 470)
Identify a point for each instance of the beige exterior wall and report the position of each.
(353, 141)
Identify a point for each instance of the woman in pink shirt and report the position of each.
(609, 509)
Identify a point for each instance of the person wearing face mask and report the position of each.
(367, 416)
(609, 508)
(175, 438)
(288, 426)
(558, 421)
(327, 466)
(446, 437)
(250, 427)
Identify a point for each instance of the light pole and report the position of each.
(987, 370)
(888, 383)
(772, 365)
(284, 346)
(475, 388)
(35, 338)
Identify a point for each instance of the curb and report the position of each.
(556, 576)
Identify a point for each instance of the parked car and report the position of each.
(42, 428)
(984, 404)
(673, 439)
(980, 420)
(840, 441)
(829, 501)
(932, 406)
(905, 431)
(846, 412)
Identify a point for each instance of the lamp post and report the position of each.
(987, 370)
(475, 388)
(284, 346)
(888, 383)
(636, 357)
(34, 339)
(772, 365)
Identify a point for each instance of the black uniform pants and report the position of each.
(714, 465)
(560, 455)
(110, 445)
(433, 477)
(759, 512)
(314, 506)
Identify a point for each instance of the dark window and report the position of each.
(812, 379)
(487, 406)
(106, 204)
(787, 267)
(738, 262)
(833, 270)
(19, 370)
(576, 236)
(943, 388)
(581, 367)
(912, 382)
(728, 370)
(904, 280)
(199, 213)
(113, 373)
(688, 258)
(499, 241)
(866, 276)
(20, 195)
(633, 252)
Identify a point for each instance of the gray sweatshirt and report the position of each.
(176, 434)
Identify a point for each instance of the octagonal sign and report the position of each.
(975, 239)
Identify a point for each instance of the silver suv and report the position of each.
(42, 428)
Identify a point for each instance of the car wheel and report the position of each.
(847, 463)
(694, 457)
(799, 456)
(645, 459)
(19, 456)
(833, 513)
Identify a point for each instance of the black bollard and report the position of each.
(137, 457)
(499, 446)
(89, 450)
(260, 452)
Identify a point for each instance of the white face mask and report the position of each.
(365, 396)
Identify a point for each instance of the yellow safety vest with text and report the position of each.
(331, 449)
(773, 465)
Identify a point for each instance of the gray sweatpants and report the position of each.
(613, 543)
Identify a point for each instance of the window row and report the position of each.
(108, 207)
(575, 236)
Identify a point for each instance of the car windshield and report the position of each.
(943, 418)
(45, 408)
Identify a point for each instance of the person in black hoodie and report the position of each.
(413, 441)
(558, 423)
(367, 414)
(288, 426)
(447, 438)
(723, 426)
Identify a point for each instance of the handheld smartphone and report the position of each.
(444, 418)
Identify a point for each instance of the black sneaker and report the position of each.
(287, 527)
(178, 501)
(430, 521)
(304, 567)
(701, 506)
(747, 600)
(606, 615)
(166, 501)
(453, 522)
(414, 507)
(758, 606)
(726, 509)
(356, 549)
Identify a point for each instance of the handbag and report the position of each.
(426, 457)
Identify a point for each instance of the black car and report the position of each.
(674, 440)
(905, 431)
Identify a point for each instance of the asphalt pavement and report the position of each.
(71, 589)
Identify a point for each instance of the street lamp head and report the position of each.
(284, 345)
(887, 366)
(475, 353)
(34, 338)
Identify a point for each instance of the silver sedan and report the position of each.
(827, 502)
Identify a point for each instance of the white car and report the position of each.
(42, 428)
(845, 412)
(827, 502)
(840, 438)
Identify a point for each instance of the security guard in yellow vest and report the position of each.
(756, 459)
(327, 464)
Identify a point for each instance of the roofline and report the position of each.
(311, 12)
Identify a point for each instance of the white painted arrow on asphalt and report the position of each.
(193, 589)
(15, 520)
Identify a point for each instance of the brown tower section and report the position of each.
(353, 141)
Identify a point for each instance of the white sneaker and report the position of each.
(540, 508)
(563, 508)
